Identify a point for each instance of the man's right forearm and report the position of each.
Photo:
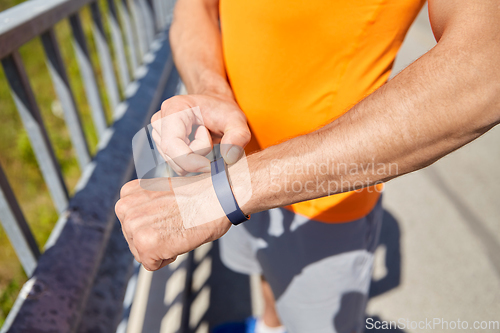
(197, 48)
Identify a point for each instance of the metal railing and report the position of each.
(79, 282)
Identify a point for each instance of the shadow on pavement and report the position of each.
(390, 237)
(230, 292)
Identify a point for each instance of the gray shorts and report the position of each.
(320, 273)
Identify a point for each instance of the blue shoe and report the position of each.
(246, 327)
(250, 324)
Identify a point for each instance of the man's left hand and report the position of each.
(170, 219)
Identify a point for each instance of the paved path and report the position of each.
(439, 255)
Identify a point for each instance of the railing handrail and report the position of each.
(36, 18)
(30, 19)
(65, 272)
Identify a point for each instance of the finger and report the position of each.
(197, 164)
(176, 128)
(120, 210)
(156, 134)
(133, 250)
(202, 142)
(157, 139)
(178, 170)
(236, 137)
(167, 262)
(152, 264)
(175, 131)
(130, 243)
(156, 116)
(122, 206)
(129, 188)
(192, 162)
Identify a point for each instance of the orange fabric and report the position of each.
(297, 65)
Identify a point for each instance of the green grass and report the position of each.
(17, 157)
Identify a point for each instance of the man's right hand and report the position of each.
(180, 131)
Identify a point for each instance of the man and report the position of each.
(292, 67)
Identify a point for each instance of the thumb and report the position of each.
(233, 141)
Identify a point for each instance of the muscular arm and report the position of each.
(447, 98)
(196, 45)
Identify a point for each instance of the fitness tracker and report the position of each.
(220, 181)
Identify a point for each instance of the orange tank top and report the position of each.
(297, 65)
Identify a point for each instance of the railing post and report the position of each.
(129, 35)
(33, 123)
(168, 8)
(104, 57)
(140, 27)
(160, 13)
(154, 15)
(116, 38)
(88, 75)
(63, 90)
(162, 5)
(17, 229)
(147, 21)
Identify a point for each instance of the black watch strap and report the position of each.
(224, 192)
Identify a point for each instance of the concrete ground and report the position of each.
(439, 255)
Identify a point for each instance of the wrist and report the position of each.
(249, 179)
(221, 94)
(212, 84)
